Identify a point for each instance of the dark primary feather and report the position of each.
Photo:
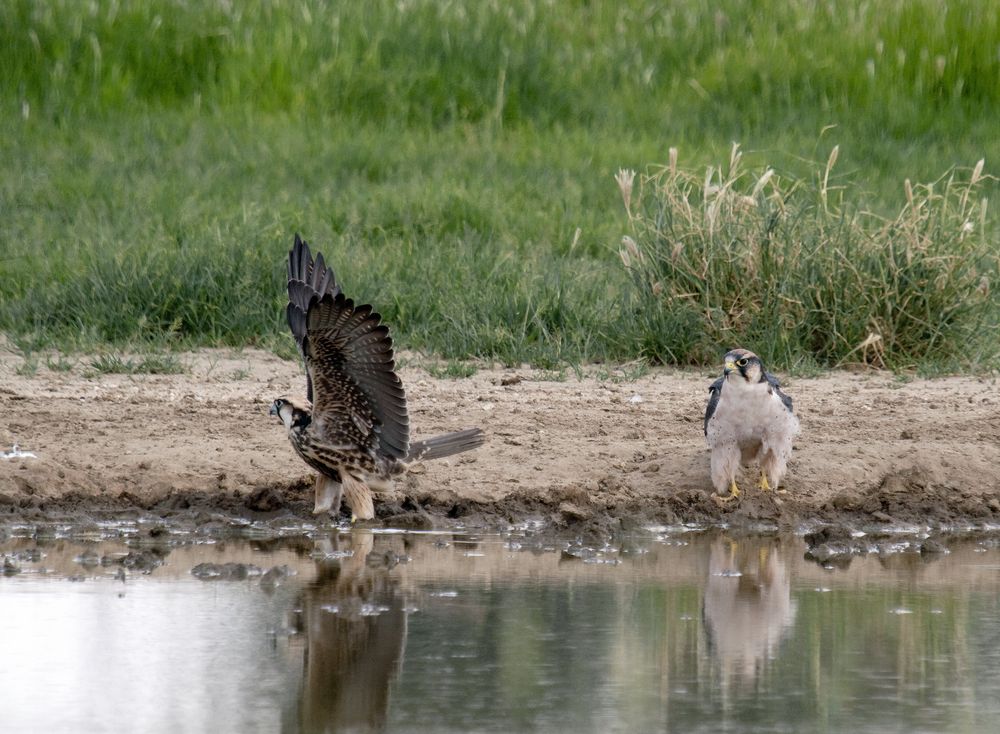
(714, 391)
(308, 281)
(776, 386)
(786, 399)
(357, 395)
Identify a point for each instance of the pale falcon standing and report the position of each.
(353, 428)
(748, 419)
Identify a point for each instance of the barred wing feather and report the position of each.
(349, 358)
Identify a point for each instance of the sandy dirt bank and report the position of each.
(599, 452)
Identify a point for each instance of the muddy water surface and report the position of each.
(126, 629)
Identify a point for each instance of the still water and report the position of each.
(381, 631)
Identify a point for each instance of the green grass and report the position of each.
(451, 370)
(548, 376)
(453, 160)
(152, 364)
(426, 62)
(28, 368)
(59, 363)
(628, 372)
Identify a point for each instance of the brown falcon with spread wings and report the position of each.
(353, 428)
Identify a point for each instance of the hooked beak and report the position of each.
(273, 410)
(730, 366)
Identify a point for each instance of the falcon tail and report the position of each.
(446, 444)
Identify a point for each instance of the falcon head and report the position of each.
(294, 413)
(743, 364)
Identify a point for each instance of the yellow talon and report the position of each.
(734, 492)
(763, 482)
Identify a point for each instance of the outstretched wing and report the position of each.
(358, 398)
(308, 281)
(776, 386)
(714, 391)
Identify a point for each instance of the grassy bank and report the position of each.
(454, 160)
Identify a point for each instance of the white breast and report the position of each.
(749, 413)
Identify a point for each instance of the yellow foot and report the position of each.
(765, 487)
(734, 493)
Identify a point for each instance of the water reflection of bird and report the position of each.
(748, 418)
(747, 608)
(353, 428)
(354, 624)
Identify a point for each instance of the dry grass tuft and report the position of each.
(801, 272)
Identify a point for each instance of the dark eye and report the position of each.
(742, 362)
